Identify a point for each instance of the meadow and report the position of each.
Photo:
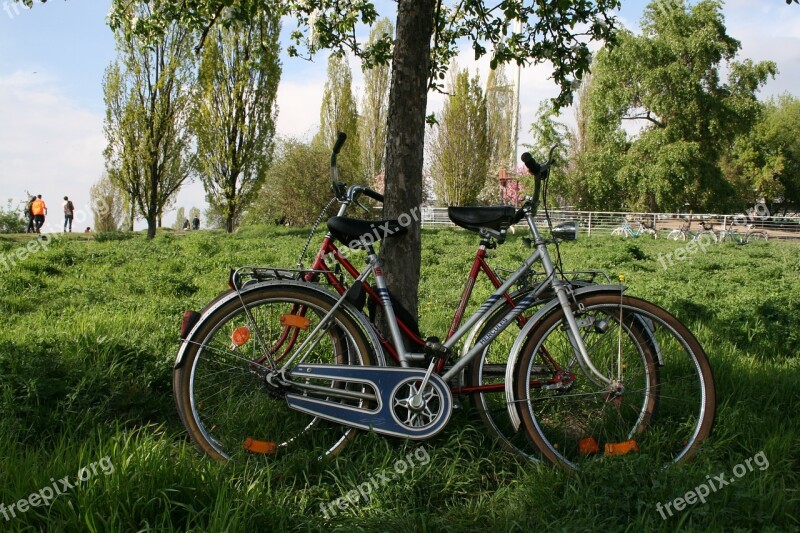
(90, 332)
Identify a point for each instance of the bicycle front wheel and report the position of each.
(637, 395)
(487, 373)
(230, 402)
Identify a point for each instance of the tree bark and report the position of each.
(408, 97)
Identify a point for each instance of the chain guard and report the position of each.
(390, 416)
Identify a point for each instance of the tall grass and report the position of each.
(90, 331)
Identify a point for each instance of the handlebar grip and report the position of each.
(533, 167)
(341, 137)
(375, 195)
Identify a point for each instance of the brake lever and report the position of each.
(362, 206)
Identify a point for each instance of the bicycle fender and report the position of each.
(319, 290)
(529, 326)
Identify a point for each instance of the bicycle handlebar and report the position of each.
(340, 188)
(337, 186)
(341, 137)
(375, 195)
(540, 173)
(533, 167)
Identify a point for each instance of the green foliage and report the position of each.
(298, 183)
(148, 96)
(548, 132)
(500, 115)
(11, 219)
(339, 113)
(375, 108)
(460, 150)
(180, 218)
(234, 119)
(674, 160)
(765, 162)
(108, 204)
(548, 30)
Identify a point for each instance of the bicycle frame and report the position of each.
(405, 358)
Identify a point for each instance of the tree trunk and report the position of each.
(151, 226)
(152, 202)
(405, 144)
(230, 214)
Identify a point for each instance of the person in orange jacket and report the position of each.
(39, 210)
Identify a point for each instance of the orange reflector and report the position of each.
(588, 446)
(259, 446)
(295, 321)
(240, 335)
(621, 448)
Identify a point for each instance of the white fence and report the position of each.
(603, 222)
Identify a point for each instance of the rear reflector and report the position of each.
(621, 448)
(295, 321)
(240, 335)
(259, 446)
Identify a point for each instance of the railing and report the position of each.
(604, 222)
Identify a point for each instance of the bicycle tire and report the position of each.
(676, 235)
(223, 394)
(665, 418)
(175, 385)
(757, 236)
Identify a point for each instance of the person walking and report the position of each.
(29, 214)
(196, 223)
(39, 210)
(69, 214)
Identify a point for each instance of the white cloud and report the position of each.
(298, 107)
(48, 144)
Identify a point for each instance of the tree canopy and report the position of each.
(235, 113)
(148, 107)
(668, 81)
(460, 151)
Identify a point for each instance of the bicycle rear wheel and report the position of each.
(659, 403)
(228, 397)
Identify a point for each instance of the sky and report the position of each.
(52, 60)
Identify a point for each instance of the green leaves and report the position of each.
(666, 83)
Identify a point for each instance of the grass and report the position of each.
(90, 333)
